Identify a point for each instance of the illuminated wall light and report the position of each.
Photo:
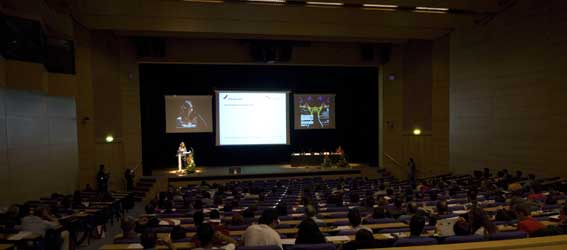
(383, 6)
(417, 131)
(432, 9)
(109, 139)
(325, 3)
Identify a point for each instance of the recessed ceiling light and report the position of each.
(386, 6)
(326, 3)
(432, 8)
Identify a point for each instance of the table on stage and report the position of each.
(313, 159)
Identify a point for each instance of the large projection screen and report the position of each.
(188, 113)
(252, 118)
(314, 111)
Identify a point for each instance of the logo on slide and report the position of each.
(225, 96)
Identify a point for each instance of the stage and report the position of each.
(260, 172)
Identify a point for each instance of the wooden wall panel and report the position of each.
(508, 91)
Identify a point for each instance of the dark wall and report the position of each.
(356, 90)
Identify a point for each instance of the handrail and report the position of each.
(392, 159)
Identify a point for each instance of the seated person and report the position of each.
(11, 217)
(149, 241)
(309, 233)
(237, 220)
(198, 218)
(380, 213)
(128, 226)
(396, 211)
(216, 222)
(462, 227)
(207, 235)
(249, 213)
(442, 207)
(364, 240)
(480, 223)
(40, 221)
(355, 220)
(311, 213)
(411, 210)
(178, 233)
(526, 222)
(417, 224)
(263, 233)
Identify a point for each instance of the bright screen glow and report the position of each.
(314, 111)
(252, 118)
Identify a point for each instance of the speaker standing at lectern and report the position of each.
(181, 157)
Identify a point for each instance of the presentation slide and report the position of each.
(188, 113)
(252, 118)
(314, 111)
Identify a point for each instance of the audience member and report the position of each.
(355, 220)
(526, 223)
(128, 226)
(417, 224)
(207, 235)
(263, 233)
(311, 213)
(309, 233)
(149, 241)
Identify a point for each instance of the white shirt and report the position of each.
(359, 227)
(261, 235)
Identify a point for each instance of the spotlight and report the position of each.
(417, 131)
(109, 138)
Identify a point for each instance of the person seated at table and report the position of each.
(168, 207)
(309, 233)
(417, 224)
(380, 213)
(249, 213)
(263, 233)
(411, 210)
(355, 220)
(40, 221)
(150, 241)
(311, 213)
(563, 216)
(206, 198)
(208, 236)
(396, 211)
(369, 201)
(442, 207)
(216, 222)
(525, 222)
(364, 240)
(198, 218)
(237, 220)
(178, 233)
(480, 223)
(535, 193)
(128, 226)
(462, 227)
(354, 198)
(11, 217)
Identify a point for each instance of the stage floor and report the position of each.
(256, 171)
